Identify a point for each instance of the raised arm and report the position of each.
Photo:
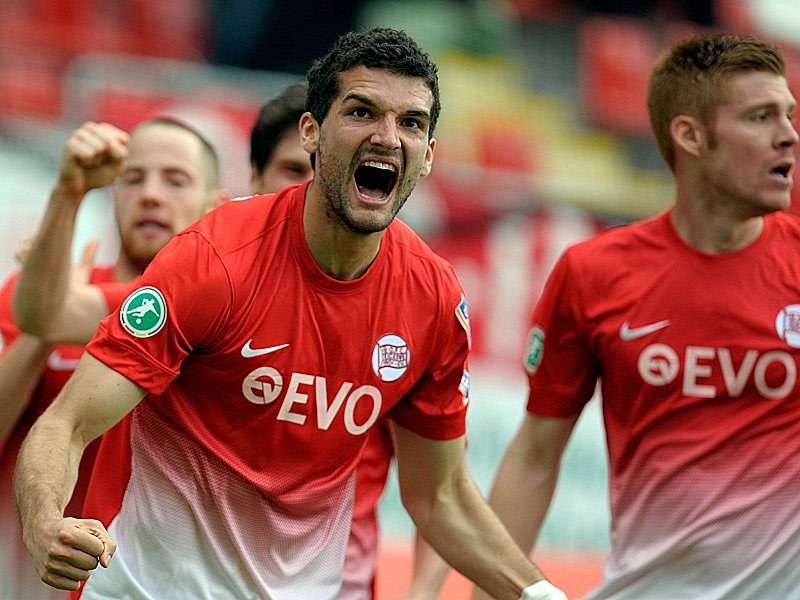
(450, 513)
(45, 305)
(527, 477)
(66, 550)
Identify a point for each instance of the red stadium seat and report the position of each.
(539, 10)
(30, 92)
(505, 147)
(173, 29)
(615, 55)
(126, 108)
(734, 16)
(30, 82)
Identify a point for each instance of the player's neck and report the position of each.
(342, 256)
(338, 251)
(714, 233)
(126, 269)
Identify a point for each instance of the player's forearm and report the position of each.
(464, 531)
(77, 321)
(521, 481)
(47, 468)
(526, 479)
(44, 279)
(20, 367)
(520, 497)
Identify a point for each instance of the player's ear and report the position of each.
(428, 164)
(309, 133)
(688, 134)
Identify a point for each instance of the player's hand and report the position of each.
(66, 551)
(24, 248)
(92, 157)
(82, 270)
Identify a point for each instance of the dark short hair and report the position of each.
(276, 116)
(376, 48)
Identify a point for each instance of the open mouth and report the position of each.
(376, 180)
(783, 170)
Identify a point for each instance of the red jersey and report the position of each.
(361, 555)
(698, 358)
(362, 548)
(19, 576)
(264, 377)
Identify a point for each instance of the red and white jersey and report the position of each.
(361, 556)
(698, 358)
(19, 578)
(264, 377)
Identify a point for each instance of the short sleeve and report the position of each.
(562, 371)
(178, 307)
(442, 393)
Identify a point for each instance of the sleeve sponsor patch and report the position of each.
(462, 314)
(464, 386)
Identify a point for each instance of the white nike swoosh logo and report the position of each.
(249, 352)
(56, 362)
(627, 334)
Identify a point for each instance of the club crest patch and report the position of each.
(144, 312)
(787, 324)
(390, 357)
(535, 349)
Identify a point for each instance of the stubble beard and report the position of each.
(339, 210)
(139, 255)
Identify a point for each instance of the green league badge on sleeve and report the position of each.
(535, 349)
(144, 312)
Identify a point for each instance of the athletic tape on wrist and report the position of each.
(542, 590)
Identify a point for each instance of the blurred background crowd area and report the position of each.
(543, 141)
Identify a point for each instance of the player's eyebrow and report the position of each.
(167, 169)
(359, 98)
(412, 112)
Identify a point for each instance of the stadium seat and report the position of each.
(734, 16)
(173, 29)
(30, 82)
(125, 108)
(615, 55)
(539, 10)
(505, 147)
(30, 93)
